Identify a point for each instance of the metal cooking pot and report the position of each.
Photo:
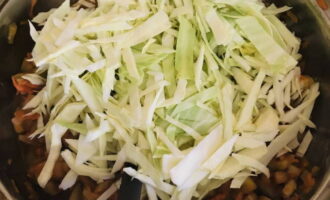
(313, 26)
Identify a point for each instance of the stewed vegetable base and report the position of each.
(291, 177)
(194, 93)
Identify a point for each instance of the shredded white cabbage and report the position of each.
(305, 144)
(69, 180)
(186, 90)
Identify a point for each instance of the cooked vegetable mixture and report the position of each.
(197, 94)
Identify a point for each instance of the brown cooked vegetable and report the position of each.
(60, 169)
(295, 197)
(280, 177)
(27, 65)
(248, 186)
(294, 171)
(284, 169)
(24, 86)
(292, 17)
(268, 188)
(32, 5)
(76, 193)
(263, 198)
(52, 188)
(304, 163)
(289, 184)
(305, 81)
(23, 121)
(239, 196)
(291, 158)
(251, 196)
(289, 188)
(32, 194)
(278, 164)
(308, 181)
(88, 188)
(101, 187)
(222, 196)
(315, 170)
(88, 194)
(91, 190)
(40, 152)
(35, 170)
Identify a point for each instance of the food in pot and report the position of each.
(197, 94)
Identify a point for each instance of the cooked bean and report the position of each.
(76, 193)
(52, 188)
(308, 181)
(264, 180)
(92, 190)
(89, 186)
(101, 187)
(25, 139)
(248, 186)
(305, 81)
(222, 196)
(315, 170)
(292, 17)
(35, 170)
(280, 177)
(28, 66)
(60, 169)
(263, 198)
(279, 164)
(304, 163)
(239, 196)
(289, 188)
(225, 189)
(294, 171)
(88, 194)
(31, 192)
(24, 122)
(295, 197)
(87, 182)
(268, 188)
(114, 196)
(40, 151)
(251, 196)
(291, 158)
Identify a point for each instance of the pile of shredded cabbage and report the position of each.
(193, 92)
